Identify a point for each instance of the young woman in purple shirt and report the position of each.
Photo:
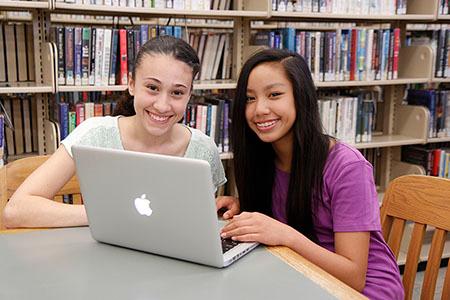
(299, 187)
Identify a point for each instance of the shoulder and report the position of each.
(342, 159)
(95, 131)
(201, 143)
(106, 121)
(97, 122)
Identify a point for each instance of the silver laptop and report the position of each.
(154, 203)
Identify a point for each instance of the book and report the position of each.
(11, 58)
(2, 57)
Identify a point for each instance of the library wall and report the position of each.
(79, 53)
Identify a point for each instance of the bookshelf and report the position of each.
(24, 5)
(397, 119)
(143, 12)
(247, 11)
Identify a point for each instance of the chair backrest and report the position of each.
(423, 200)
(13, 174)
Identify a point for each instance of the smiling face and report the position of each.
(161, 90)
(270, 109)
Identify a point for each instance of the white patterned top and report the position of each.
(104, 132)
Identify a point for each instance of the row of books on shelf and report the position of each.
(71, 109)
(16, 53)
(19, 117)
(211, 115)
(438, 38)
(438, 103)
(434, 158)
(442, 63)
(344, 54)
(443, 7)
(104, 56)
(349, 118)
(352, 7)
(373, 155)
(160, 4)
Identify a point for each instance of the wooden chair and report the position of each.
(423, 200)
(13, 174)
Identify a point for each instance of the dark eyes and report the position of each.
(250, 99)
(275, 94)
(270, 96)
(178, 93)
(155, 88)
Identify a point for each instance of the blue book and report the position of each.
(169, 30)
(208, 120)
(349, 54)
(69, 48)
(277, 41)
(77, 55)
(2, 130)
(385, 54)
(272, 39)
(63, 120)
(144, 34)
(288, 38)
(177, 32)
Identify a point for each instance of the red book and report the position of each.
(396, 52)
(98, 110)
(123, 75)
(353, 53)
(79, 109)
(436, 161)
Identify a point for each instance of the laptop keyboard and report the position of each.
(228, 244)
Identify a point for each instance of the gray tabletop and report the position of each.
(69, 264)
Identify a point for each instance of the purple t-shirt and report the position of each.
(349, 204)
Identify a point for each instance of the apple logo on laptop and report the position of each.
(143, 206)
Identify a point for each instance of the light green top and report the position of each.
(104, 132)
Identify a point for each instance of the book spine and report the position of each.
(79, 109)
(60, 43)
(130, 50)
(92, 57)
(123, 57)
(85, 55)
(72, 116)
(99, 56)
(106, 56)
(226, 139)
(98, 110)
(396, 53)
(64, 119)
(114, 51)
(69, 56)
(77, 55)
(353, 54)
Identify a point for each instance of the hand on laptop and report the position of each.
(257, 227)
(228, 205)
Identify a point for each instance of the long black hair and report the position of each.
(166, 45)
(254, 160)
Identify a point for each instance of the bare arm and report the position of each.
(31, 204)
(348, 264)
